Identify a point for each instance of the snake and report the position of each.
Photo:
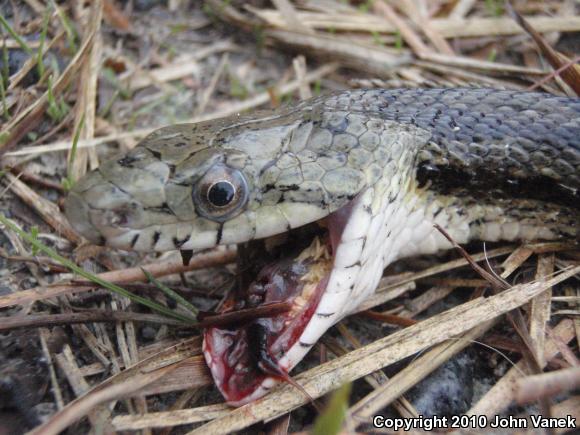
(321, 196)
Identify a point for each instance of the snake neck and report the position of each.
(395, 217)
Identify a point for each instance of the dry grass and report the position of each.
(125, 73)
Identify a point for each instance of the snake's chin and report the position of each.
(247, 360)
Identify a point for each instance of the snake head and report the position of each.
(195, 186)
(238, 180)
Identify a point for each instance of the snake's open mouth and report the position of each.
(246, 360)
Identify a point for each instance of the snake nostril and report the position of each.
(123, 216)
(119, 218)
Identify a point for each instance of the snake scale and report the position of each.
(323, 195)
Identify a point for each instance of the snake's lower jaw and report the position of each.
(247, 360)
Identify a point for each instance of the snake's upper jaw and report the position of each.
(141, 208)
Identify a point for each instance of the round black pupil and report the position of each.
(221, 193)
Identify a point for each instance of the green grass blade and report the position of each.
(57, 109)
(39, 54)
(330, 421)
(5, 63)
(34, 235)
(93, 278)
(71, 35)
(5, 111)
(15, 35)
(73, 153)
(171, 294)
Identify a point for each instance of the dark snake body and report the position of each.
(515, 144)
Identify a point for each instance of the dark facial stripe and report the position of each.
(156, 236)
(179, 243)
(219, 234)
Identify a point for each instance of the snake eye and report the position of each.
(220, 193)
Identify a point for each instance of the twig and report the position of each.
(533, 388)
(266, 310)
(492, 279)
(94, 278)
(570, 75)
(42, 320)
(554, 73)
(43, 334)
(200, 261)
(388, 318)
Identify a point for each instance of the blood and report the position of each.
(242, 357)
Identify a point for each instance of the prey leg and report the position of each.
(258, 347)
